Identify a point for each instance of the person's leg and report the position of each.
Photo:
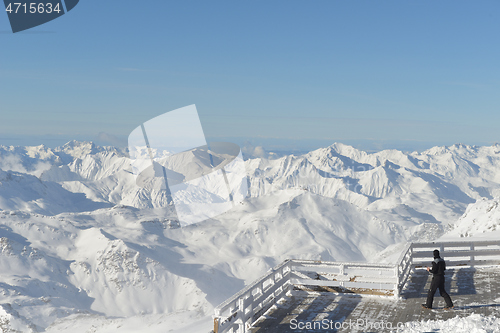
(432, 291)
(445, 295)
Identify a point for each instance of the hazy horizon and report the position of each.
(275, 145)
(380, 75)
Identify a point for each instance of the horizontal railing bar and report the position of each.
(369, 279)
(295, 262)
(315, 269)
(370, 272)
(349, 271)
(463, 253)
(341, 284)
(455, 244)
(462, 263)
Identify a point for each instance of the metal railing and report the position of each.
(237, 314)
(359, 278)
(470, 253)
(404, 265)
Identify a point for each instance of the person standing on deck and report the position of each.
(437, 271)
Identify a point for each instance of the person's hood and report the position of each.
(437, 260)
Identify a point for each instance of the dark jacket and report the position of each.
(438, 267)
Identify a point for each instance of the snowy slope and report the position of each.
(81, 242)
(24, 192)
(481, 220)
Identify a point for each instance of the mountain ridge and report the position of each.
(93, 241)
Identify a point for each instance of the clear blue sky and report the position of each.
(393, 73)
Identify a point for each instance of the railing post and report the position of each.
(342, 272)
(289, 265)
(273, 282)
(411, 255)
(248, 315)
(472, 257)
(398, 274)
(216, 324)
(282, 278)
(242, 321)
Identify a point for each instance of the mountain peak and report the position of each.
(80, 149)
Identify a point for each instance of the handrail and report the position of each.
(240, 311)
(225, 304)
(458, 253)
(404, 266)
(360, 278)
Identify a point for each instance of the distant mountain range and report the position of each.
(80, 243)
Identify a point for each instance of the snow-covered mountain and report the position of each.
(82, 246)
(480, 220)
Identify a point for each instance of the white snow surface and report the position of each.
(480, 220)
(83, 248)
(474, 323)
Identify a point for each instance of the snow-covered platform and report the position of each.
(473, 290)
